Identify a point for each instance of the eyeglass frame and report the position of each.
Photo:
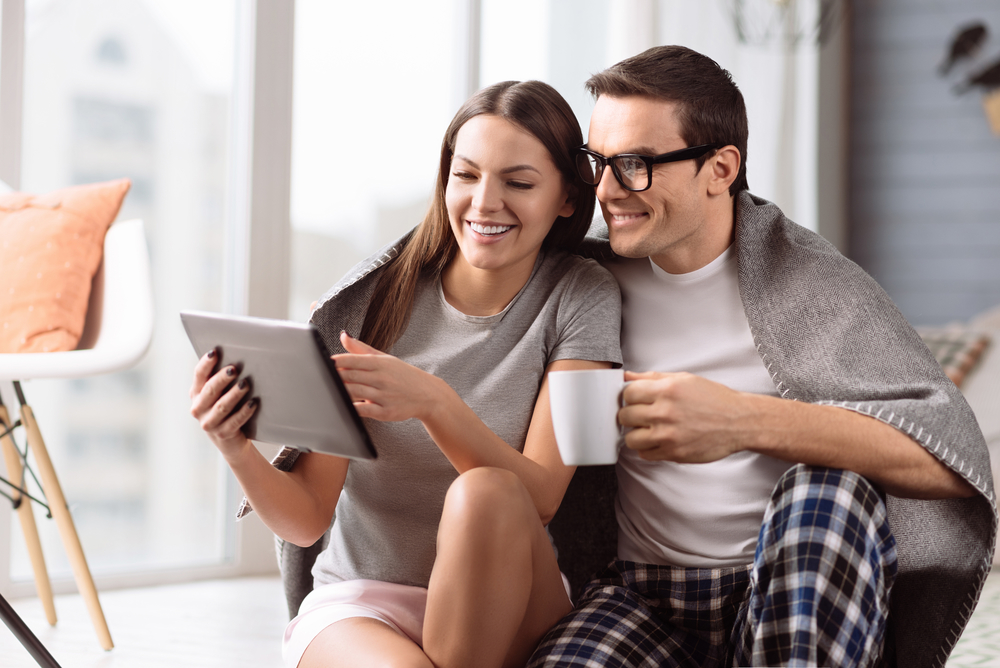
(687, 153)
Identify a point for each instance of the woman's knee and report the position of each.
(486, 495)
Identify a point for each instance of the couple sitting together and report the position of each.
(795, 463)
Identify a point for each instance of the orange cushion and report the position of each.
(50, 248)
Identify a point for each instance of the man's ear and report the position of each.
(724, 166)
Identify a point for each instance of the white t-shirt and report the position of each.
(692, 515)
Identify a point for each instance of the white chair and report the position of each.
(117, 334)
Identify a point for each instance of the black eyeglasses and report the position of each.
(633, 171)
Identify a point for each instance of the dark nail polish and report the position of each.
(211, 354)
(253, 402)
(230, 371)
(243, 383)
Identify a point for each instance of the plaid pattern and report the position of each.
(817, 593)
(823, 570)
(641, 615)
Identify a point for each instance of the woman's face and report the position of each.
(503, 194)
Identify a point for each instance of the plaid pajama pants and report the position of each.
(817, 593)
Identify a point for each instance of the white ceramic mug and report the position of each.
(585, 414)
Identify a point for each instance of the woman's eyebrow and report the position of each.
(506, 170)
(519, 168)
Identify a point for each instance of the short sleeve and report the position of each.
(589, 317)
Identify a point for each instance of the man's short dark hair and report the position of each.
(710, 106)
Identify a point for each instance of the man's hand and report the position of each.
(682, 418)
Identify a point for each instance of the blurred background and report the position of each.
(274, 144)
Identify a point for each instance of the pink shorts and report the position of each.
(401, 607)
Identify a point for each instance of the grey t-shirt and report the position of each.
(388, 513)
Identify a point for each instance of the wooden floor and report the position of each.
(238, 623)
(214, 624)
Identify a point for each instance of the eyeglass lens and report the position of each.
(631, 170)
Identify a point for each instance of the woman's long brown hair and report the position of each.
(533, 106)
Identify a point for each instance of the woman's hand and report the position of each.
(212, 405)
(384, 387)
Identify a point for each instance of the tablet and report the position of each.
(302, 400)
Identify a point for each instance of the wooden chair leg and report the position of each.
(26, 516)
(67, 530)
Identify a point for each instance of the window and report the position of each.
(372, 80)
(133, 89)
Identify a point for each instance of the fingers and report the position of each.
(648, 387)
(215, 403)
(348, 362)
(641, 391)
(634, 415)
(213, 389)
(361, 392)
(642, 375)
(356, 347)
(369, 410)
(223, 422)
(640, 438)
(232, 424)
(203, 370)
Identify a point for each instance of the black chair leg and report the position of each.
(24, 634)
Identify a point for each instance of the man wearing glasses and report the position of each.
(794, 453)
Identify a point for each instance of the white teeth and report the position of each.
(489, 229)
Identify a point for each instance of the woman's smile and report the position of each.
(489, 231)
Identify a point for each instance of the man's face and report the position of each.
(670, 222)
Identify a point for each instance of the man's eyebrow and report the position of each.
(507, 170)
(645, 150)
(641, 150)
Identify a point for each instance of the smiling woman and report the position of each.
(439, 555)
(533, 117)
(504, 193)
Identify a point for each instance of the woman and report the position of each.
(439, 555)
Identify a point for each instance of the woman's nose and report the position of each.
(487, 197)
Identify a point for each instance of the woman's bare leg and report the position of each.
(495, 588)
(362, 641)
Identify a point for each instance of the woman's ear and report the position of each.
(724, 167)
(569, 206)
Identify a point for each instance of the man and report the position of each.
(794, 453)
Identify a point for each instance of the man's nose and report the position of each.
(608, 188)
